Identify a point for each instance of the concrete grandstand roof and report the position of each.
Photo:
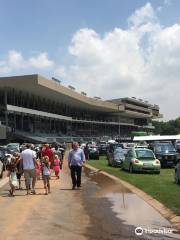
(49, 89)
(134, 100)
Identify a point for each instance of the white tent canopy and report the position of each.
(156, 138)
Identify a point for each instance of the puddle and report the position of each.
(105, 183)
(131, 209)
(135, 211)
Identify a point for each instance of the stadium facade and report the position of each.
(36, 107)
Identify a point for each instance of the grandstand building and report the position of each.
(34, 107)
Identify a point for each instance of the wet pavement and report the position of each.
(102, 209)
(123, 211)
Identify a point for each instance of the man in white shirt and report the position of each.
(76, 159)
(28, 163)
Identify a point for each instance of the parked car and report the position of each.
(117, 158)
(111, 148)
(177, 172)
(139, 159)
(93, 152)
(130, 145)
(166, 153)
(13, 147)
(102, 148)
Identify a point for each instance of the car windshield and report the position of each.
(13, 147)
(118, 154)
(143, 153)
(118, 150)
(164, 148)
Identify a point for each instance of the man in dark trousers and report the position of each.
(76, 158)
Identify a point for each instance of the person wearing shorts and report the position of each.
(46, 174)
(28, 163)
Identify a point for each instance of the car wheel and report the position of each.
(158, 172)
(131, 170)
(177, 180)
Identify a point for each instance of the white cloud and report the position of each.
(143, 15)
(16, 62)
(142, 60)
(165, 4)
(41, 61)
(60, 71)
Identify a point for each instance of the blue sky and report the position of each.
(48, 25)
(67, 39)
(45, 25)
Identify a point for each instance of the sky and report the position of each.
(106, 48)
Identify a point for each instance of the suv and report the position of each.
(102, 147)
(165, 153)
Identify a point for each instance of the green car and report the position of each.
(141, 159)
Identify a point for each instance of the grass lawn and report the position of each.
(161, 187)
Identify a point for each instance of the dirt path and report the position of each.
(101, 210)
(58, 215)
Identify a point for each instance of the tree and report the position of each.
(171, 127)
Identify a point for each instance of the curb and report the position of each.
(164, 211)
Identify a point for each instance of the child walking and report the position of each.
(46, 174)
(13, 182)
(57, 164)
(19, 171)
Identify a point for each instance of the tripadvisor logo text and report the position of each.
(139, 231)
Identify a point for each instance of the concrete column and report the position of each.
(5, 103)
(50, 124)
(22, 121)
(14, 121)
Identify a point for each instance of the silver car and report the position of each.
(117, 158)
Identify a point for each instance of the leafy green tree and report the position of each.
(171, 127)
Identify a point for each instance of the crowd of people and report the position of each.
(41, 164)
(34, 165)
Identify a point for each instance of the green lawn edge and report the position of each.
(161, 187)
